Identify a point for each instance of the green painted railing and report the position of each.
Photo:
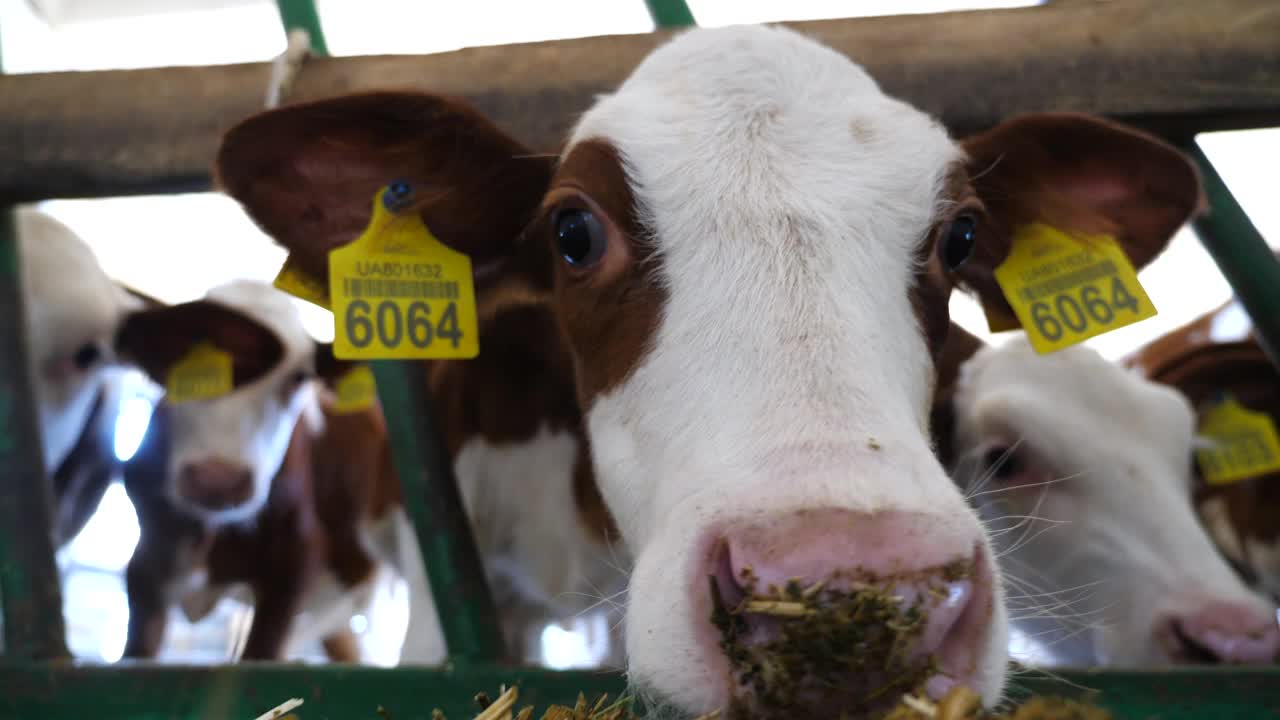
(670, 13)
(30, 591)
(1242, 254)
(242, 692)
(456, 575)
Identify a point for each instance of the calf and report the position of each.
(1079, 466)
(72, 312)
(268, 485)
(711, 319)
(1215, 353)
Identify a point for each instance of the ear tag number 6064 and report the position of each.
(1065, 290)
(397, 292)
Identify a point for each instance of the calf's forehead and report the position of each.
(763, 164)
(273, 309)
(770, 113)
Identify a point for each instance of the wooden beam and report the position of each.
(1175, 66)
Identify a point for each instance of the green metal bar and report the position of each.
(468, 614)
(30, 590)
(245, 690)
(1243, 256)
(670, 13)
(458, 583)
(303, 14)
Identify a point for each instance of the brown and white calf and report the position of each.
(72, 312)
(718, 307)
(268, 487)
(1080, 468)
(1216, 353)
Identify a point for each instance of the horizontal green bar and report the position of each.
(336, 692)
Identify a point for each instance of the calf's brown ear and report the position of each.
(307, 173)
(1077, 173)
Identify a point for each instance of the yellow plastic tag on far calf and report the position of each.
(1244, 443)
(203, 373)
(301, 285)
(397, 292)
(1066, 289)
(355, 390)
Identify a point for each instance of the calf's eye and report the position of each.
(1002, 463)
(580, 237)
(959, 241)
(86, 356)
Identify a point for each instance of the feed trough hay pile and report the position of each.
(959, 704)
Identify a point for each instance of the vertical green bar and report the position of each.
(1242, 255)
(670, 13)
(456, 574)
(459, 586)
(30, 589)
(303, 14)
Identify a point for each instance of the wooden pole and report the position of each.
(1175, 66)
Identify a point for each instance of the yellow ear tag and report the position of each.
(301, 285)
(203, 373)
(1245, 443)
(398, 292)
(1066, 290)
(356, 390)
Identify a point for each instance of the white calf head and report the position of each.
(223, 452)
(73, 310)
(1084, 470)
(748, 248)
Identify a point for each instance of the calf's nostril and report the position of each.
(1223, 633)
(214, 484)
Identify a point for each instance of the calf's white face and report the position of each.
(223, 452)
(785, 199)
(72, 312)
(1084, 472)
(748, 249)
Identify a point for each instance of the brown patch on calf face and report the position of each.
(956, 351)
(592, 511)
(522, 382)
(610, 312)
(931, 288)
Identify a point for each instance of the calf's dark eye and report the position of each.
(1002, 463)
(959, 241)
(86, 356)
(580, 237)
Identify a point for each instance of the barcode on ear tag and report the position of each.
(1243, 443)
(399, 293)
(204, 373)
(1065, 290)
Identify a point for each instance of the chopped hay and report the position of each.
(601, 709)
(958, 704)
(280, 710)
(818, 638)
(963, 704)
